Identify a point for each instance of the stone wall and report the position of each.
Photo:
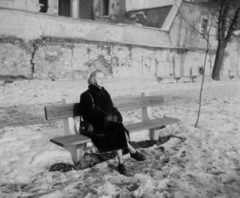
(56, 58)
(74, 59)
(15, 57)
(64, 48)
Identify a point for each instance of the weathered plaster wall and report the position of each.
(145, 4)
(61, 47)
(67, 56)
(232, 59)
(15, 57)
(34, 25)
(75, 59)
(27, 5)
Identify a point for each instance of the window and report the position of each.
(105, 7)
(86, 9)
(44, 6)
(64, 8)
(204, 25)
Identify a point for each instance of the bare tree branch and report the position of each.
(201, 90)
(233, 25)
(206, 37)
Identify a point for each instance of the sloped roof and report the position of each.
(171, 16)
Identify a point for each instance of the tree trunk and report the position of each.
(218, 62)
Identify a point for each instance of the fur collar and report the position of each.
(97, 90)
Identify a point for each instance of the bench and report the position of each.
(159, 79)
(233, 73)
(77, 144)
(192, 78)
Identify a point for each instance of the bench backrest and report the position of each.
(71, 110)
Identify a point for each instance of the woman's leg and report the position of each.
(131, 149)
(119, 154)
(121, 167)
(133, 153)
(127, 138)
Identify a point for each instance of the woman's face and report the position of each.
(99, 79)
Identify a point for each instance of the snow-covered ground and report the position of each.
(204, 165)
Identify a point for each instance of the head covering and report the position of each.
(92, 77)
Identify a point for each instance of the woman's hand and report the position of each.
(112, 118)
(115, 118)
(109, 118)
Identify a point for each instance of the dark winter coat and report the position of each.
(106, 136)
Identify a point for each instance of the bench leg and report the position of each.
(177, 79)
(154, 133)
(76, 152)
(159, 79)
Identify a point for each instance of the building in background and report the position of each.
(150, 13)
(158, 41)
(69, 8)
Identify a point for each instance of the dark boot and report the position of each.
(121, 169)
(138, 156)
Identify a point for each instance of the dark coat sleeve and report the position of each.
(114, 109)
(117, 113)
(93, 115)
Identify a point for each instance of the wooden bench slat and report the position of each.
(77, 139)
(150, 124)
(59, 111)
(131, 103)
(70, 140)
(71, 110)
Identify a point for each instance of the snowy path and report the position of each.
(205, 164)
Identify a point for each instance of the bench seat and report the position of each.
(78, 139)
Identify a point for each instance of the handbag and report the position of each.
(85, 127)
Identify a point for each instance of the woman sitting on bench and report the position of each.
(109, 133)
